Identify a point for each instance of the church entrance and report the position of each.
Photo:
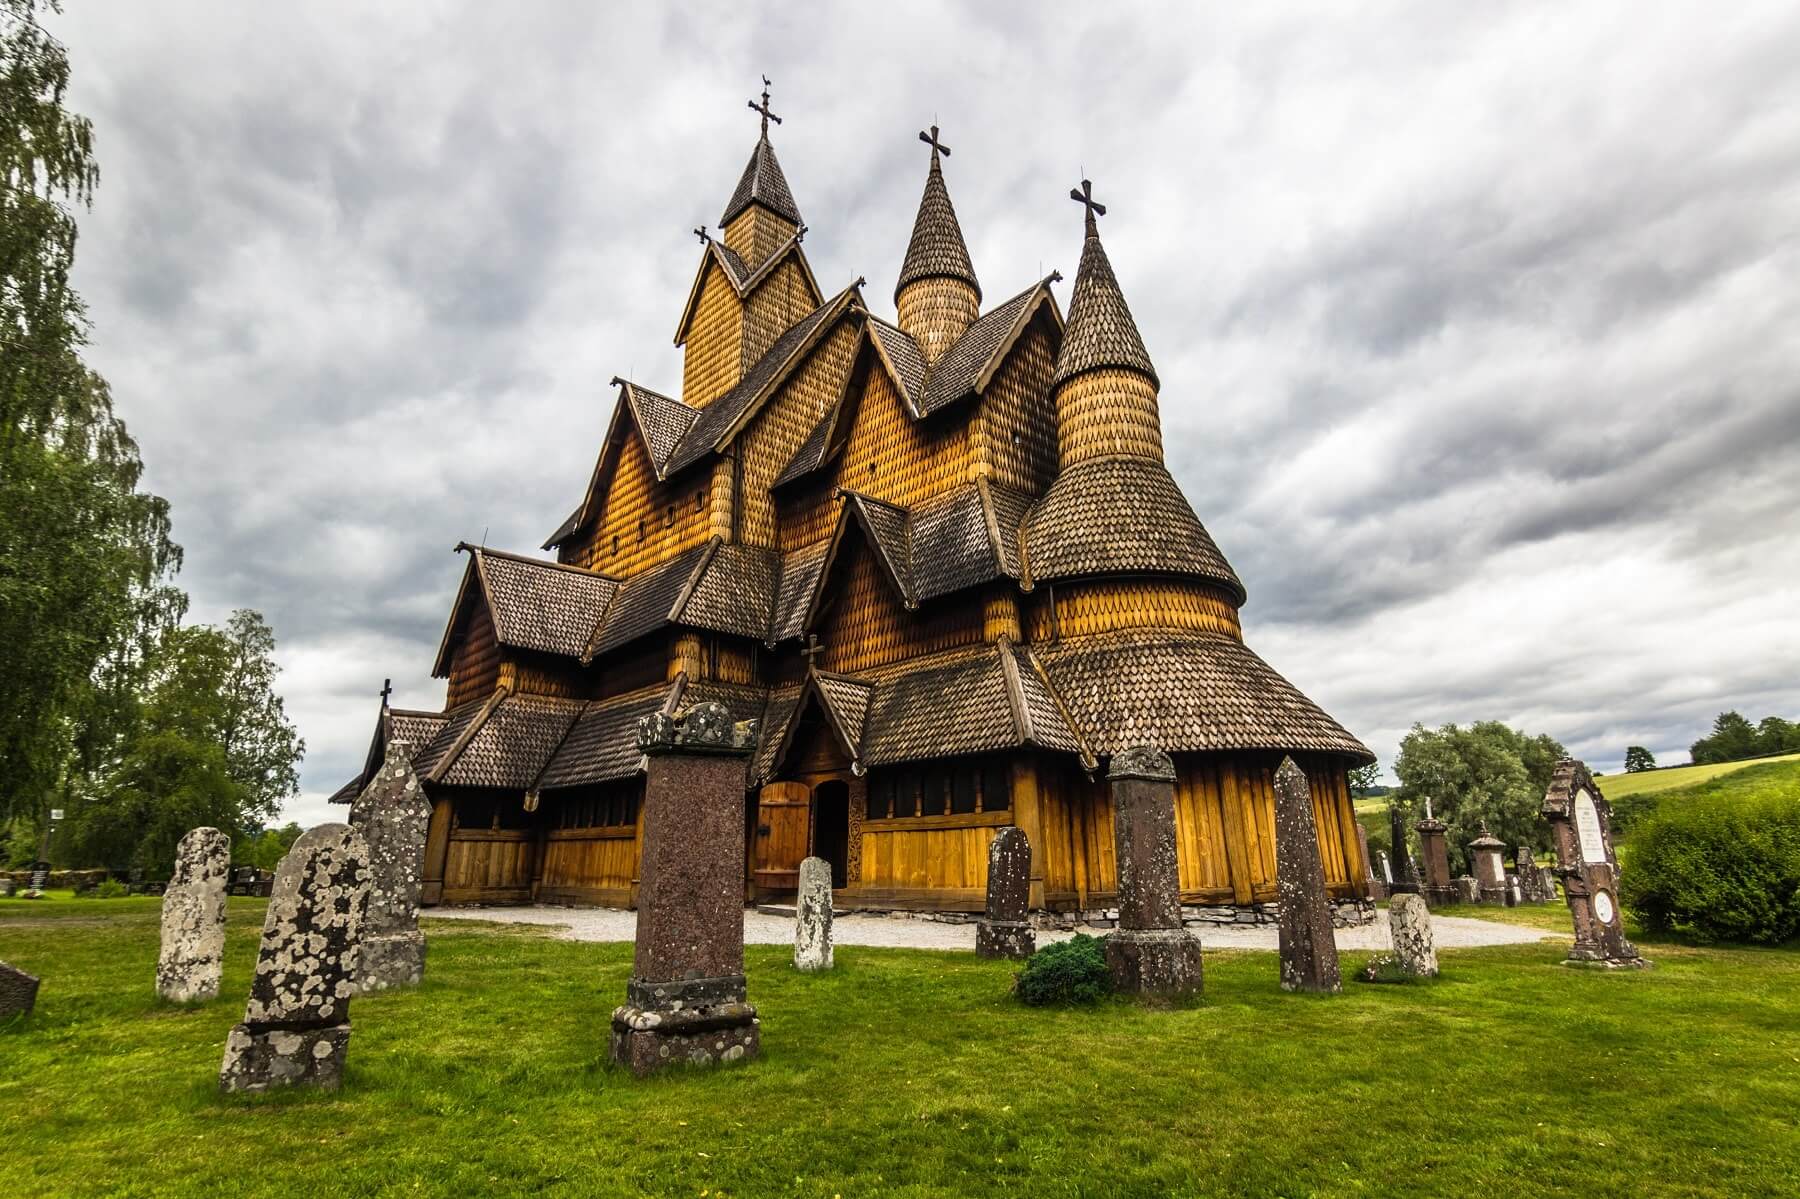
(781, 815)
(831, 827)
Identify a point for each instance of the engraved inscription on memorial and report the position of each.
(1587, 829)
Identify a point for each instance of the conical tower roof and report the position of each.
(1100, 331)
(763, 183)
(937, 249)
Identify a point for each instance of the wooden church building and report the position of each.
(938, 557)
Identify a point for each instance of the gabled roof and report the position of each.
(649, 600)
(937, 249)
(797, 584)
(903, 360)
(1185, 692)
(960, 539)
(659, 422)
(762, 183)
(602, 746)
(959, 702)
(1120, 516)
(720, 420)
(742, 278)
(511, 744)
(1100, 332)
(842, 700)
(968, 365)
(417, 729)
(890, 536)
(535, 605)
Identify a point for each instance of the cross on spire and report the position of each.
(812, 651)
(387, 689)
(701, 234)
(1084, 195)
(767, 114)
(931, 139)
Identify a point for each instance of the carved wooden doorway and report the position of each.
(782, 811)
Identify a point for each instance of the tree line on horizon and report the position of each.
(137, 725)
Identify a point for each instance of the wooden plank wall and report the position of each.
(475, 663)
(673, 516)
(488, 866)
(590, 865)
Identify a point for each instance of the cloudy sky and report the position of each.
(1479, 327)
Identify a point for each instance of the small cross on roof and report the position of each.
(767, 114)
(931, 139)
(1084, 195)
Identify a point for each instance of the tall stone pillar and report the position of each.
(1581, 820)
(1309, 960)
(1003, 931)
(392, 814)
(193, 918)
(1150, 953)
(1404, 881)
(1434, 854)
(686, 1000)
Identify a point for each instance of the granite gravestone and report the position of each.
(1309, 960)
(812, 917)
(18, 992)
(1150, 953)
(193, 918)
(391, 813)
(1409, 923)
(1468, 890)
(1403, 880)
(296, 1027)
(1488, 866)
(686, 1000)
(1434, 853)
(1581, 821)
(1003, 931)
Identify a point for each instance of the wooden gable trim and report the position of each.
(462, 742)
(1086, 756)
(907, 399)
(894, 570)
(810, 691)
(1015, 692)
(440, 668)
(1027, 314)
(693, 583)
(847, 302)
(714, 255)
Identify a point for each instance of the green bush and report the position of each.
(109, 888)
(1067, 972)
(1719, 869)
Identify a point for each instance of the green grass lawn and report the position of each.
(913, 1073)
(1616, 786)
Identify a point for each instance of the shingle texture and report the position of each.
(1185, 691)
(417, 729)
(937, 249)
(798, 582)
(602, 745)
(542, 605)
(954, 703)
(960, 368)
(952, 547)
(1100, 331)
(1121, 516)
(456, 722)
(848, 699)
(646, 601)
(778, 713)
(891, 534)
(718, 417)
(513, 744)
(735, 592)
(661, 420)
(762, 183)
(903, 353)
(811, 454)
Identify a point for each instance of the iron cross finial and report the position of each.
(701, 234)
(767, 114)
(812, 650)
(387, 689)
(1084, 195)
(937, 147)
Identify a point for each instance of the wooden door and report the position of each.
(781, 834)
(831, 827)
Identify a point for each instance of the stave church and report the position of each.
(937, 557)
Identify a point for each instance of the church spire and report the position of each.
(1105, 386)
(937, 296)
(762, 182)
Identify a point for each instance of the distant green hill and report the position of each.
(1616, 786)
(1727, 780)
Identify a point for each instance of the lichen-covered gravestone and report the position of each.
(812, 917)
(193, 918)
(296, 1027)
(1582, 822)
(1151, 953)
(392, 814)
(686, 1000)
(18, 991)
(1003, 931)
(1409, 922)
(1309, 960)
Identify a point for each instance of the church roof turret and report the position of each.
(1100, 331)
(762, 181)
(937, 249)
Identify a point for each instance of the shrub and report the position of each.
(1067, 973)
(106, 888)
(1719, 869)
(1385, 968)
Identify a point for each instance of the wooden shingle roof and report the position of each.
(1100, 331)
(762, 182)
(937, 249)
(536, 605)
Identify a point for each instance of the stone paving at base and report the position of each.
(899, 932)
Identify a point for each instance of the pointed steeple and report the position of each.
(1100, 332)
(1104, 385)
(937, 249)
(937, 297)
(762, 181)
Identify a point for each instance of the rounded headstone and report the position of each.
(193, 918)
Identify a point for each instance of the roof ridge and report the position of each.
(510, 556)
(456, 747)
(1087, 751)
(1015, 690)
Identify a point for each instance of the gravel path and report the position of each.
(760, 928)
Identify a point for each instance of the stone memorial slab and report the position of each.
(1004, 931)
(296, 1026)
(1404, 878)
(392, 813)
(686, 1000)
(18, 992)
(1581, 820)
(1309, 960)
(193, 919)
(812, 917)
(1487, 863)
(1409, 922)
(1434, 855)
(1151, 953)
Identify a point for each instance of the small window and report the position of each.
(700, 500)
(615, 545)
(933, 785)
(640, 529)
(996, 786)
(669, 518)
(880, 797)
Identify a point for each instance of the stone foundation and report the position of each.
(394, 961)
(645, 1041)
(256, 1060)
(1154, 961)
